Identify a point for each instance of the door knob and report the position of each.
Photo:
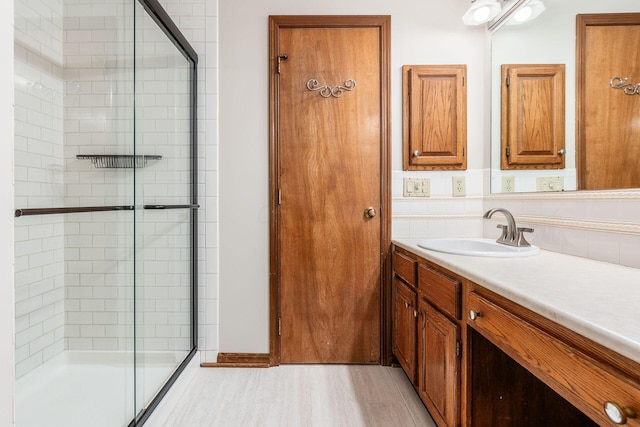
(370, 212)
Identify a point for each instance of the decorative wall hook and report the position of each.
(628, 88)
(327, 91)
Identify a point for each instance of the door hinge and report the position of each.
(458, 349)
(280, 58)
(507, 151)
(508, 81)
(279, 326)
(462, 151)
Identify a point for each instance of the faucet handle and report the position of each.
(520, 236)
(503, 236)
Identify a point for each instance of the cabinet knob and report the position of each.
(406, 304)
(416, 153)
(415, 313)
(617, 414)
(370, 212)
(562, 152)
(473, 315)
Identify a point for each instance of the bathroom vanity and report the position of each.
(545, 340)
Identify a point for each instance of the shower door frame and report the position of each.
(166, 24)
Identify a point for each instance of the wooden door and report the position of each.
(329, 161)
(439, 365)
(607, 119)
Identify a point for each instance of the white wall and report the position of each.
(6, 216)
(423, 32)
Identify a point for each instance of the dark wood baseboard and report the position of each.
(240, 360)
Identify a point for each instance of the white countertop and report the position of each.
(595, 299)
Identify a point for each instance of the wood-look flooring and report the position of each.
(300, 395)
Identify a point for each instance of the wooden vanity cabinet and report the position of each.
(404, 327)
(439, 344)
(439, 364)
(482, 360)
(426, 337)
(579, 371)
(404, 312)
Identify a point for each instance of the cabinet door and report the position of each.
(439, 365)
(434, 117)
(404, 327)
(533, 116)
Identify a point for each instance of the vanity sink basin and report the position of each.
(477, 247)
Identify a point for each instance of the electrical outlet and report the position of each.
(508, 184)
(458, 186)
(550, 183)
(417, 187)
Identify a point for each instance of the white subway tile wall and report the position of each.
(198, 21)
(39, 182)
(441, 214)
(99, 113)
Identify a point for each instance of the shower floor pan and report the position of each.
(80, 388)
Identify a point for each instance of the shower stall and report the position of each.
(106, 219)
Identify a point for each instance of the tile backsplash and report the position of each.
(599, 225)
(603, 226)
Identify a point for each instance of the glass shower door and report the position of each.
(75, 218)
(165, 209)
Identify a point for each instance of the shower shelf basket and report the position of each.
(118, 161)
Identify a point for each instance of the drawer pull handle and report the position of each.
(473, 315)
(617, 414)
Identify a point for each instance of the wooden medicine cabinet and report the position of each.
(434, 110)
(533, 116)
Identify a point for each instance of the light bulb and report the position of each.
(523, 14)
(481, 14)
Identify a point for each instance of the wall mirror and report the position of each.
(550, 38)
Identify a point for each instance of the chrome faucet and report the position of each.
(511, 235)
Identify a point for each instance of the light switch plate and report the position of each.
(550, 183)
(417, 187)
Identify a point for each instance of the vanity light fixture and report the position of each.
(526, 13)
(481, 11)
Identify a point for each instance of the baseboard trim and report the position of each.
(239, 360)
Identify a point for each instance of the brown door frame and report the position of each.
(320, 21)
(583, 21)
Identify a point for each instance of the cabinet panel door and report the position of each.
(434, 117)
(404, 327)
(533, 116)
(439, 365)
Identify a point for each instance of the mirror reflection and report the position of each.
(583, 159)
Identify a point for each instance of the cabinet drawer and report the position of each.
(441, 290)
(405, 268)
(585, 382)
